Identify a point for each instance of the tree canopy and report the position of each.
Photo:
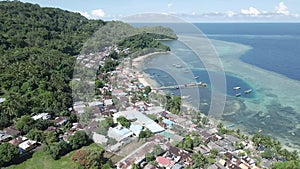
(7, 153)
(36, 63)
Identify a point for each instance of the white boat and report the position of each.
(237, 88)
(238, 94)
(248, 91)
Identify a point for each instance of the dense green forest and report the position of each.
(37, 46)
(36, 63)
(115, 31)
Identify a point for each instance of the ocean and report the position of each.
(263, 57)
(276, 46)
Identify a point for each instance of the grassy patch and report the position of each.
(41, 160)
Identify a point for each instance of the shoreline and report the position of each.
(137, 65)
(147, 80)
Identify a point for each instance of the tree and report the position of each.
(149, 157)
(7, 153)
(104, 125)
(89, 158)
(111, 141)
(107, 166)
(213, 153)
(197, 141)
(147, 90)
(25, 124)
(205, 120)
(53, 150)
(49, 137)
(173, 104)
(36, 135)
(114, 55)
(145, 134)
(123, 121)
(87, 116)
(200, 161)
(78, 140)
(43, 124)
(36, 64)
(294, 164)
(135, 166)
(57, 149)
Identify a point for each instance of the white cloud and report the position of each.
(85, 14)
(169, 5)
(250, 11)
(281, 8)
(98, 13)
(230, 13)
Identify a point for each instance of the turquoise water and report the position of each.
(272, 106)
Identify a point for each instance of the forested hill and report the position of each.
(37, 46)
(28, 25)
(36, 63)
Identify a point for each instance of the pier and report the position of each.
(188, 85)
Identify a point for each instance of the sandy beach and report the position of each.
(137, 64)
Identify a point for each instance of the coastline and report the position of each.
(247, 73)
(137, 65)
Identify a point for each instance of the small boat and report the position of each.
(177, 65)
(196, 77)
(248, 91)
(237, 88)
(238, 94)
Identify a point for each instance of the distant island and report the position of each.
(127, 124)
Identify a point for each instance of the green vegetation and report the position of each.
(36, 60)
(142, 44)
(145, 134)
(115, 31)
(190, 142)
(7, 153)
(78, 140)
(123, 121)
(41, 159)
(199, 160)
(59, 149)
(36, 54)
(104, 125)
(25, 124)
(173, 104)
(286, 165)
(89, 158)
(273, 149)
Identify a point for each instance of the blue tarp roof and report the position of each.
(168, 122)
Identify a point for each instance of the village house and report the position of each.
(179, 156)
(28, 145)
(12, 131)
(42, 116)
(141, 119)
(60, 121)
(18, 140)
(136, 156)
(4, 137)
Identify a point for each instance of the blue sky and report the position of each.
(190, 10)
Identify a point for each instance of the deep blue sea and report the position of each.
(276, 46)
(271, 52)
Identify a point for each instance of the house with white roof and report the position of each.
(42, 116)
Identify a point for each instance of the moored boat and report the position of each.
(248, 91)
(237, 88)
(238, 95)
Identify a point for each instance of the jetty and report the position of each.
(188, 85)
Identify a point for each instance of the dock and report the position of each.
(188, 85)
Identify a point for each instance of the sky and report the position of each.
(188, 10)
